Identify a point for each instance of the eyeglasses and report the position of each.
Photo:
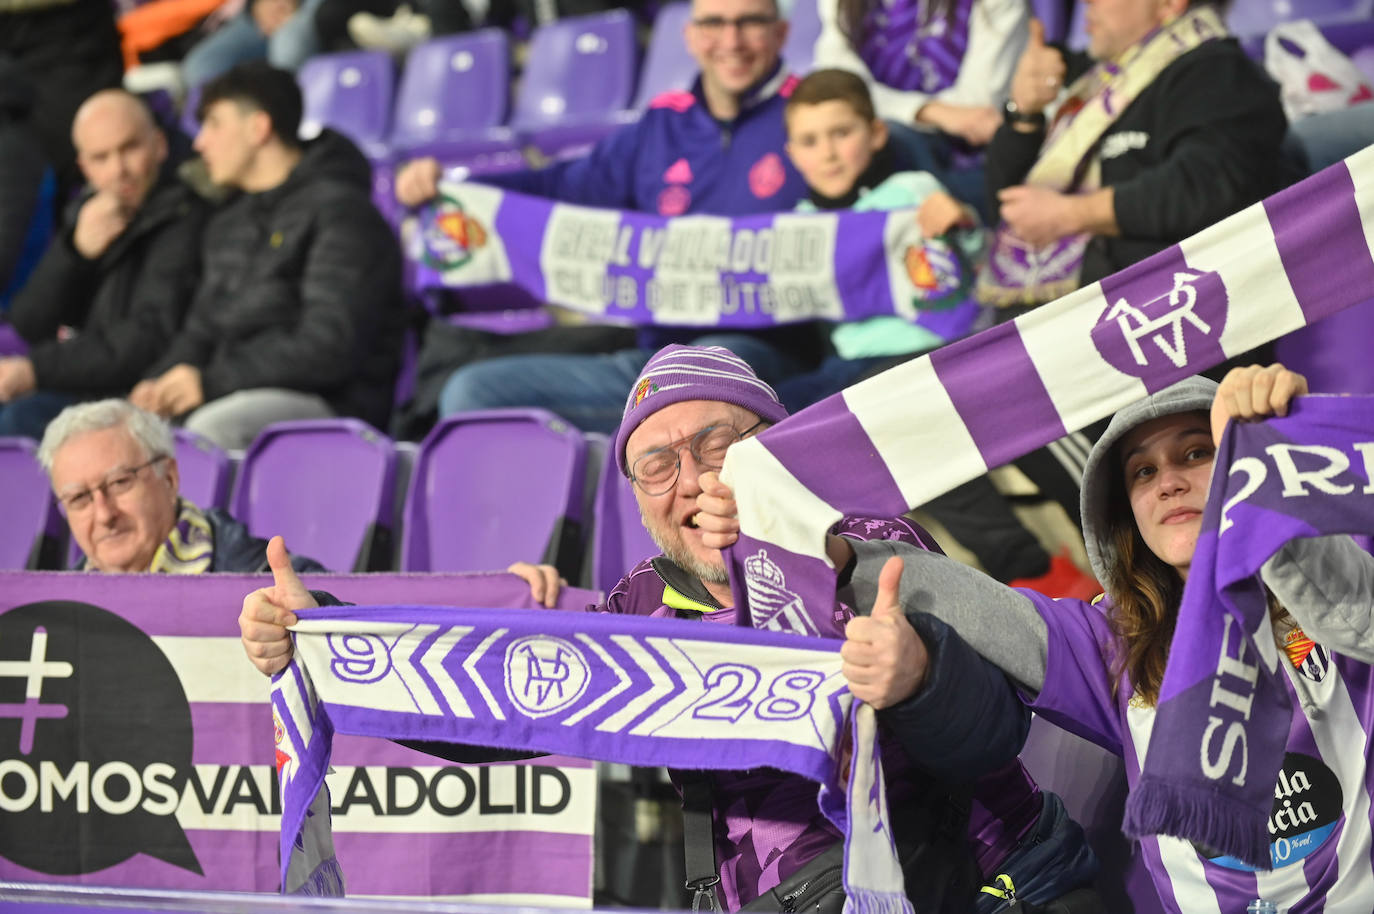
(751, 26)
(113, 487)
(656, 472)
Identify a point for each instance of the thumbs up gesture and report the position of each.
(885, 659)
(1039, 73)
(267, 612)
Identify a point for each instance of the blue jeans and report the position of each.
(28, 416)
(239, 41)
(587, 390)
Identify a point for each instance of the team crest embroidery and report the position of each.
(775, 607)
(767, 176)
(286, 764)
(933, 269)
(450, 235)
(1149, 327)
(643, 389)
(1308, 658)
(545, 674)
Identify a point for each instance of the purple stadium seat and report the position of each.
(327, 485)
(32, 532)
(204, 470)
(667, 65)
(494, 487)
(578, 83)
(351, 92)
(453, 98)
(1054, 15)
(619, 540)
(1257, 17)
(804, 28)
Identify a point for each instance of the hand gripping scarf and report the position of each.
(897, 440)
(639, 690)
(1218, 743)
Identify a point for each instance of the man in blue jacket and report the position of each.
(717, 148)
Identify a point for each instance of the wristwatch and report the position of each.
(1014, 115)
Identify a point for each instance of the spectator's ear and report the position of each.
(173, 476)
(879, 134)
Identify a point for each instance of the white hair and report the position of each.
(153, 434)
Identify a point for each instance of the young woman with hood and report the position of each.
(1095, 669)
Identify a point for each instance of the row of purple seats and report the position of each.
(483, 490)
(452, 99)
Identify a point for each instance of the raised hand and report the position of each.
(268, 612)
(885, 659)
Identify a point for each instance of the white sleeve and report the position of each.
(1327, 584)
(997, 33)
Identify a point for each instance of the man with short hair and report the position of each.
(298, 313)
(719, 149)
(113, 467)
(952, 716)
(111, 289)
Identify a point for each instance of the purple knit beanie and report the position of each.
(677, 373)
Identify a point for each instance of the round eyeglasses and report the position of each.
(656, 471)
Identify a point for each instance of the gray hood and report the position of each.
(1188, 395)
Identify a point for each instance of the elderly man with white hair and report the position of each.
(113, 467)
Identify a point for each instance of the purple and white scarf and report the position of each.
(902, 437)
(1218, 743)
(693, 271)
(907, 48)
(638, 690)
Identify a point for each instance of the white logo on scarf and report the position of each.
(544, 674)
(775, 607)
(1165, 331)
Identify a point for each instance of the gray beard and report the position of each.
(678, 554)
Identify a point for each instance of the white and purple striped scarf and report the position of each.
(639, 690)
(1218, 742)
(895, 441)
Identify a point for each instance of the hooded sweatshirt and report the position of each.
(1061, 653)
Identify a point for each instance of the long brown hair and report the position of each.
(1145, 594)
(851, 15)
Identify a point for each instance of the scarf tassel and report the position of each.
(1201, 814)
(870, 901)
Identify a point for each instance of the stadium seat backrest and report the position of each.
(327, 486)
(1257, 17)
(494, 487)
(453, 84)
(667, 65)
(619, 540)
(350, 92)
(204, 470)
(804, 27)
(581, 68)
(1054, 15)
(32, 524)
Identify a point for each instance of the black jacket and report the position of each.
(239, 552)
(301, 289)
(21, 173)
(1211, 125)
(126, 305)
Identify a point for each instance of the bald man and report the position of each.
(112, 288)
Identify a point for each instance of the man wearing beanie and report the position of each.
(957, 722)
